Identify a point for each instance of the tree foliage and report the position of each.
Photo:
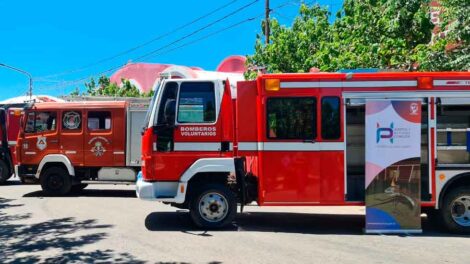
(104, 87)
(451, 52)
(385, 34)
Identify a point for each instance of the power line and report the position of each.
(142, 44)
(161, 51)
(197, 31)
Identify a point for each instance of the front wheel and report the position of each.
(56, 181)
(455, 212)
(213, 206)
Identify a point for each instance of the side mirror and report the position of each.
(169, 112)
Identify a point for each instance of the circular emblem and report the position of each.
(71, 120)
(98, 149)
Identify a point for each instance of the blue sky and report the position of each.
(50, 37)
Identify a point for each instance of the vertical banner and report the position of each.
(393, 157)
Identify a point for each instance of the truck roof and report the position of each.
(79, 105)
(373, 75)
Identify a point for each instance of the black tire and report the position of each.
(78, 187)
(56, 181)
(225, 199)
(449, 207)
(4, 172)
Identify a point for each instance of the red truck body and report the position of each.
(68, 145)
(293, 139)
(9, 128)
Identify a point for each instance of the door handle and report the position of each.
(54, 141)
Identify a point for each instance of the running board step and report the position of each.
(109, 182)
(165, 197)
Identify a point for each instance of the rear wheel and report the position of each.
(4, 172)
(213, 206)
(455, 212)
(56, 181)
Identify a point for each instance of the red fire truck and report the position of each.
(297, 139)
(67, 145)
(9, 127)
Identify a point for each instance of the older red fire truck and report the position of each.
(9, 127)
(297, 139)
(67, 145)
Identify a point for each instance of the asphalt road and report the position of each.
(107, 223)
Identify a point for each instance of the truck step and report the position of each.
(109, 182)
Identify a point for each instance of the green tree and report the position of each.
(105, 87)
(385, 34)
(451, 52)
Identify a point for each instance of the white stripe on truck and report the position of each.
(291, 146)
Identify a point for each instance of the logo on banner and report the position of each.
(414, 109)
(41, 143)
(384, 133)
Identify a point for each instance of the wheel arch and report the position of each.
(458, 180)
(207, 169)
(55, 160)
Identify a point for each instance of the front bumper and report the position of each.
(171, 192)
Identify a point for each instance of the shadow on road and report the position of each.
(57, 240)
(320, 224)
(90, 193)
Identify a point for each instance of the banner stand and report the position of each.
(393, 167)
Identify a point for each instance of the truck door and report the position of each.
(193, 108)
(40, 136)
(332, 147)
(72, 136)
(291, 157)
(98, 145)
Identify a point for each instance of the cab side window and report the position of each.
(71, 120)
(291, 118)
(330, 117)
(196, 103)
(99, 120)
(168, 100)
(41, 122)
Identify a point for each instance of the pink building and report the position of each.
(145, 75)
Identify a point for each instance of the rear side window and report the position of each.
(196, 103)
(291, 118)
(99, 120)
(40, 122)
(330, 118)
(71, 120)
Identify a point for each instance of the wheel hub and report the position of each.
(213, 207)
(461, 210)
(55, 181)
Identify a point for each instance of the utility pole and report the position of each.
(266, 23)
(30, 93)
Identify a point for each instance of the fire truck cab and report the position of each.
(69, 145)
(298, 139)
